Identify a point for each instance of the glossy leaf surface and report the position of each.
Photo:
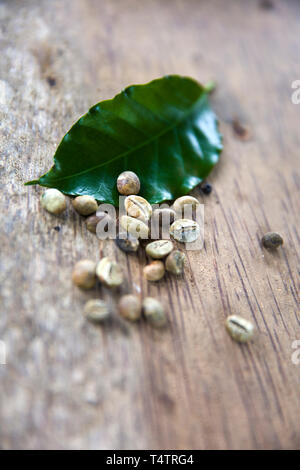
(164, 131)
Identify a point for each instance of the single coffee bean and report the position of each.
(93, 220)
(164, 216)
(175, 262)
(154, 312)
(184, 204)
(240, 330)
(135, 227)
(272, 240)
(159, 249)
(154, 271)
(129, 244)
(96, 310)
(128, 183)
(206, 188)
(109, 272)
(85, 205)
(130, 307)
(185, 230)
(84, 274)
(53, 201)
(138, 207)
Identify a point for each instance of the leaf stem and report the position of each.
(210, 86)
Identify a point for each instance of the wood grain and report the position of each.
(70, 385)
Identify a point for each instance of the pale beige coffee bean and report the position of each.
(93, 221)
(135, 227)
(185, 203)
(53, 201)
(175, 262)
(164, 216)
(185, 230)
(85, 205)
(239, 328)
(154, 312)
(130, 307)
(109, 272)
(84, 274)
(154, 271)
(159, 249)
(96, 310)
(138, 207)
(128, 183)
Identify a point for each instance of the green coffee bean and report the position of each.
(85, 205)
(159, 249)
(96, 310)
(175, 262)
(53, 201)
(154, 271)
(84, 274)
(93, 220)
(138, 207)
(185, 201)
(185, 230)
(154, 312)
(109, 272)
(134, 226)
(130, 307)
(164, 215)
(239, 328)
(128, 183)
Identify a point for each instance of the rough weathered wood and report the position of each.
(68, 384)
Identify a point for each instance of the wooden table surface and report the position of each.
(68, 384)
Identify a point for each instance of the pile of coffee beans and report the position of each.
(163, 254)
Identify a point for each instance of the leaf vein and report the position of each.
(138, 147)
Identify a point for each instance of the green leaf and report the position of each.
(164, 131)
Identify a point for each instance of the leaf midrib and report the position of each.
(172, 126)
